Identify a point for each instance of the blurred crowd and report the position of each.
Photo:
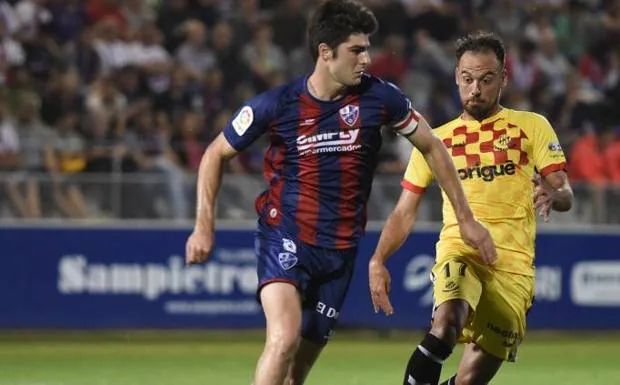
(93, 91)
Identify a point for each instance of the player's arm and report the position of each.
(441, 164)
(210, 180)
(249, 123)
(395, 231)
(397, 226)
(553, 190)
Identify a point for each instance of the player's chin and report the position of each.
(477, 110)
(356, 80)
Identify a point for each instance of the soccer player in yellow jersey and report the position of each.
(497, 152)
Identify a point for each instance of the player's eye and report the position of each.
(468, 80)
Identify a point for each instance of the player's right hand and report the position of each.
(476, 235)
(198, 247)
(380, 285)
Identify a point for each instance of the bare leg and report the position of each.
(282, 306)
(305, 358)
(477, 367)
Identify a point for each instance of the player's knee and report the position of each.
(283, 343)
(449, 321)
(448, 333)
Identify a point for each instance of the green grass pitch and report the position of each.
(207, 358)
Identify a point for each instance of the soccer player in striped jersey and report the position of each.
(324, 132)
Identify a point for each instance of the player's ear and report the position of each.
(325, 52)
(456, 75)
(504, 77)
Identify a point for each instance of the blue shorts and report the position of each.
(321, 275)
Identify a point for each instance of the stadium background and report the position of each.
(106, 107)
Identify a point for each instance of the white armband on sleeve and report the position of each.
(408, 125)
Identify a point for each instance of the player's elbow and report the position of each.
(220, 149)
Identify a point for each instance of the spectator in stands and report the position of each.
(136, 13)
(194, 52)
(170, 19)
(12, 52)
(587, 165)
(190, 142)
(149, 145)
(111, 62)
(62, 96)
(36, 155)
(70, 161)
(263, 57)
(391, 63)
(10, 162)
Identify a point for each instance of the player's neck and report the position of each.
(493, 112)
(324, 88)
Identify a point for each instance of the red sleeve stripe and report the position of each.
(411, 187)
(410, 116)
(553, 168)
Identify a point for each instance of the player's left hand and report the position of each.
(543, 198)
(476, 235)
(380, 285)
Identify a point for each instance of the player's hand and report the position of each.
(380, 286)
(543, 199)
(477, 236)
(198, 247)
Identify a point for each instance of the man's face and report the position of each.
(348, 61)
(480, 78)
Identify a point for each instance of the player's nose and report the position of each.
(364, 59)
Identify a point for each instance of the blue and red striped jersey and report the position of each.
(321, 156)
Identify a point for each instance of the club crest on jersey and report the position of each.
(289, 245)
(349, 114)
(287, 260)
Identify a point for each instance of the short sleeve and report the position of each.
(400, 114)
(251, 121)
(418, 175)
(548, 154)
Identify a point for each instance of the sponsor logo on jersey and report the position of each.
(326, 142)
(488, 173)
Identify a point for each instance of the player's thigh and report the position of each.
(281, 281)
(456, 292)
(499, 324)
(279, 259)
(324, 298)
(281, 303)
(477, 367)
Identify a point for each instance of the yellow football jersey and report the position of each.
(496, 160)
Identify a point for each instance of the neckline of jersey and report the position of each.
(307, 92)
(496, 115)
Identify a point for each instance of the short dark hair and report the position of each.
(481, 42)
(335, 20)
